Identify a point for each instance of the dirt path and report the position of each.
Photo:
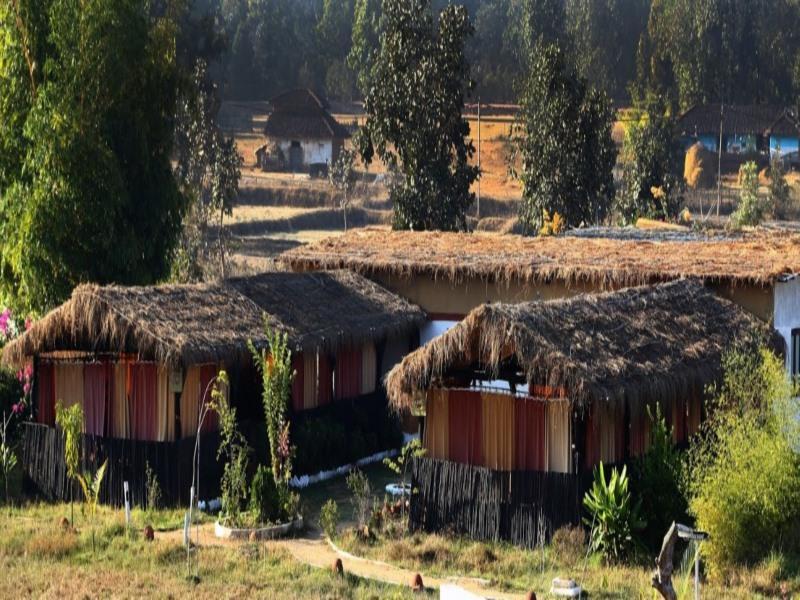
(314, 551)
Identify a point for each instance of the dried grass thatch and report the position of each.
(192, 324)
(645, 343)
(759, 258)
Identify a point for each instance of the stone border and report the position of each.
(260, 533)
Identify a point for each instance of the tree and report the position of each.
(563, 138)
(652, 173)
(779, 190)
(208, 168)
(365, 41)
(414, 114)
(343, 177)
(70, 420)
(751, 209)
(87, 97)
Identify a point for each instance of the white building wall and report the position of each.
(787, 310)
(314, 151)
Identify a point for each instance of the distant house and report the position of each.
(745, 128)
(302, 136)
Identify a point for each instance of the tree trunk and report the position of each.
(662, 577)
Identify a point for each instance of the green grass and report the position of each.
(38, 558)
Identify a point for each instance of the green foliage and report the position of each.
(657, 476)
(70, 420)
(8, 460)
(615, 518)
(780, 199)
(743, 470)
(275, 365)
(87, 97)
(409, 452)
(751, 209)
(265, 504)
(342, 176)
(653, 169)
(208, 168)
(414, 114)
(234, 449)
(359, 487)
(365, 41)
(562, 137)
(90, 485)
(329, 518)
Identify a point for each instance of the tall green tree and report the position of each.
(414, 114)
(653, 168)
(87, 97)
(365, 40)
(563, 137)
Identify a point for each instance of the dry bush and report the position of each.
(569, 544)
(698, 168)
(491, 224)
(477, 557)
(54, 545)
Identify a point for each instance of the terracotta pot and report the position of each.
(416, 583)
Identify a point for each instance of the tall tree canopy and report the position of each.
(87, 97)
(563, 138)
(414, 114)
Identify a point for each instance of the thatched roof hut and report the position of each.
(651, 343)
(607, 262)
(212, 322)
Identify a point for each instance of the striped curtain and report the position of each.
(190, 402)
(530, 420)
(498, 443)
(298, 383)
(144, 401)
(695, 413)
(324, 380)
(120, 407)
(558, 436)
(437, 415)
(97, 383)
(165, 407)
(640, 427)
(466, 428)
(310, 399)
(369, 368)
(347, 375)
(69, 383)
(678, 412)
(207, 375)
(45, 394)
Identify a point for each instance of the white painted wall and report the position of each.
(787, 310)
(314, 151)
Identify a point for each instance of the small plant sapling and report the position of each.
(70, 420)
(8, 460)
(90, 484)
(410, 451)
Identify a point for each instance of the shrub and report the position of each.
(751, 209)
(153, 488)
(779, 191)
(329, 518)
(569, 544)
(743, 474)
(265, 503)
(614, 516)
(56, 545)
(359, 486)
(656, 480)
(697, 167)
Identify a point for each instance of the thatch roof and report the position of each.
(302, 114)
(192, 324)
(752, 259)
(644, 343)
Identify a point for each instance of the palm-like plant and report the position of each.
(91, 491)
(614, 516)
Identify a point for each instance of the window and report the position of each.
(795, 353)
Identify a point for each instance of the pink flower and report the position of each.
(26, 389)
(16, 408)
(28, 323)
(28, 371)
(20, 375)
